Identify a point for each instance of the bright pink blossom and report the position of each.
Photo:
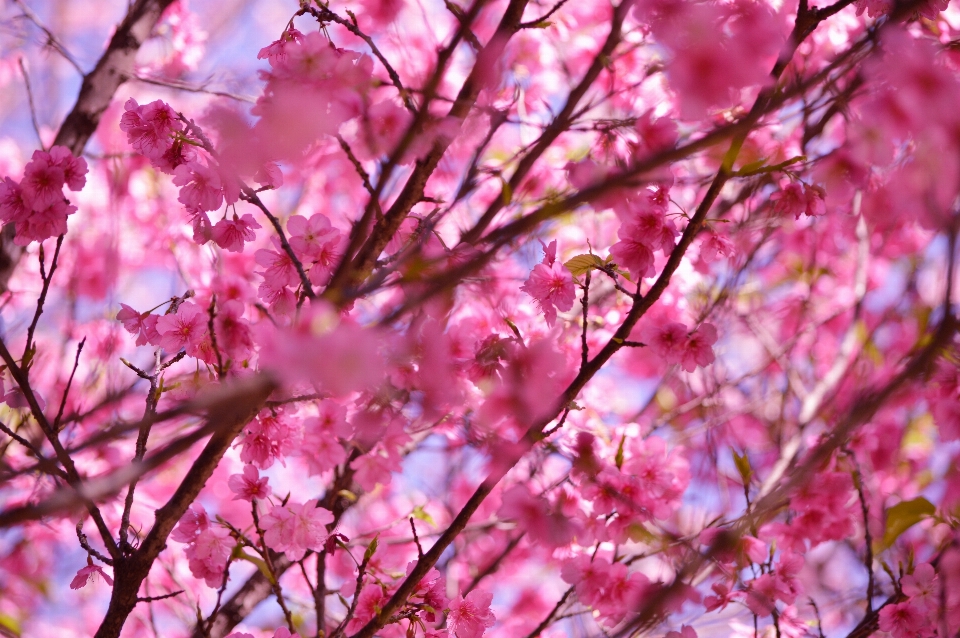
(231, 234)
(150, 127)
(43, 181)
(552, 288)
(186, 328)
(249, 485)
(905, 620)
(86, 573)
(74, 168)
(470, 617)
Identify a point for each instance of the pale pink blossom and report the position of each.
(193, 521)
(279, 268)
(207, 555)
(201, 186)
(234, 336)
(295, 528)
(310, 238)
(249, 485)
(270, 437)
(186, 328)
(231, 234)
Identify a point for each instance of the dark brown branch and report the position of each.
(236, 407)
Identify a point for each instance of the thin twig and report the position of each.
(33, 107)
(66, 390)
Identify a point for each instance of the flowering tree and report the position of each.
(502, 317)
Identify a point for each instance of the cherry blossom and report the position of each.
(296, 527)
(470, 615)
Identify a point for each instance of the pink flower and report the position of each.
(275, 51)
(904, 620)
(295, 528)
(233, 332)
(371, 470)
(666, 341)
(202, 188)
(470, 617)
(686, 631)
(338, 355)
(269, 175)
(321, 446)
(86, 573)
(74, 168)
(187, 328)
(231, 234)
(270, 437)
(380, 128)
(43, 224)
(715, 246)
(815, 206)
(552, 288)
(280, 269)
(42, 182)
(143, 325)
(534, 516)
(698, 350)
(308, 238)
(921, 587)
(150, 127)
(249, 485)
(13, 208)
(368, 605)
(790, 200)
(178, 154)
(207, 555)
(633, 254)
(656, 134)
(194, 521)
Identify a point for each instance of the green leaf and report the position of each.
(619, 458)
(506, 192)
(743, 466)
(513, 328)
(261, 565)
(752, 167)
(10, 624)
(371, 548)
(582, 264)
(903, 516)
(421, 514)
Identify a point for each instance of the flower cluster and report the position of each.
(36, 205)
